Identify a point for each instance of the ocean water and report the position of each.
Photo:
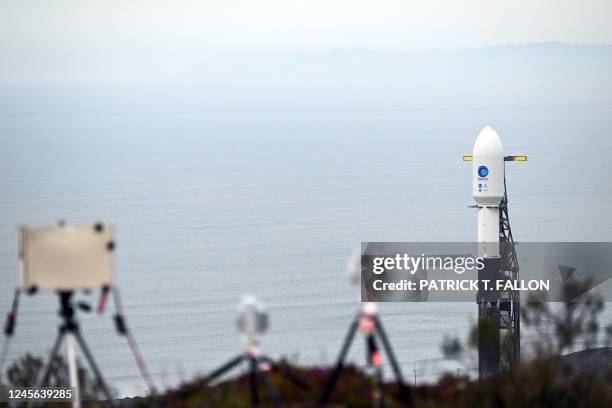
(211, 203)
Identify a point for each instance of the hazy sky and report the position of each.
(63, 40)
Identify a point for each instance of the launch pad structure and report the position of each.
(499, 321)
(509, 306)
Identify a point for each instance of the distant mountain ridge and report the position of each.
(548, 62)
(542, 76)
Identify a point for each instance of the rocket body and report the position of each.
(498, 310)
(488, 189)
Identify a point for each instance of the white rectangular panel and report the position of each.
(66, 257)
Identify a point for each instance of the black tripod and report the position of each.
(257, 364)
(69, 329)
(370, 325)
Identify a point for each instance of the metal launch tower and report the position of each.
(499, 341)
(509, 306)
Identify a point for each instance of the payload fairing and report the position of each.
(488, 189)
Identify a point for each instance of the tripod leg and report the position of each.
(4, 354)
(269, 384)
(253, 381)
(404, 391)
(93, 365)
(374, 360)
(72, 370)
(331, 383)
(221, 370)
(43, 377)
(381, 387)
(287, 373)
(44, 374)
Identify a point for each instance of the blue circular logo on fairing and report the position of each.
(483, 171)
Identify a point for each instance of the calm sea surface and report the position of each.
(211, 204)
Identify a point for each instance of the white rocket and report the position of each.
(488, 187)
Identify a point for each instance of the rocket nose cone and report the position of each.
(488, 143)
